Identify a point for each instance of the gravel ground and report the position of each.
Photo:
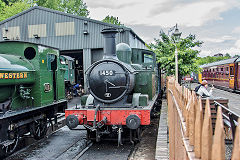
(56, 146)
(108, 150)
(146, 149)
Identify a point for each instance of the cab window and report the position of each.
(147, 58)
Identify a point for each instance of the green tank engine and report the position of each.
(31, 91)
(69, 77)
(124, 91)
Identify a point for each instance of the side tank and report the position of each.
(30, 76)
(14, 70)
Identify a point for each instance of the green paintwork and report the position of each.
(143, 100)
(30, 90)
(68, 64)
(84, 99)
(146, 77)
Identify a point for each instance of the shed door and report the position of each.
(231, 76)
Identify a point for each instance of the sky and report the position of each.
(215, 22)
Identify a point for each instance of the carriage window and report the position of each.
(231, 70)
(221, 69)
(217, 69)
(210, 70)
(226, 68)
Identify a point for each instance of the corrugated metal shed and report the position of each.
(222, 62)
(61, 30)
(73, 35)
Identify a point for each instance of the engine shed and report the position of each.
(75, 36)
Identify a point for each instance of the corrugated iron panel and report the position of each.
(77, 41)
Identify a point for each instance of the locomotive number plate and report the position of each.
(107, 73)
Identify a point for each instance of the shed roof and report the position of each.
(222, 62)
(70, 15)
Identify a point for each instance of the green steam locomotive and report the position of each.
(32, 91)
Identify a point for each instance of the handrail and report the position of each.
(231, 117)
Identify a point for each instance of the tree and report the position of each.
(12, 9)
(210, 59)
(75, 7)
(112, 20)
(227, 55)
(187, 54)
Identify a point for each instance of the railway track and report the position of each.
(28, 139)
(65, 144)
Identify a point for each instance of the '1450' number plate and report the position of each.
(107, 73)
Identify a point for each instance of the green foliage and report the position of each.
(112, 20)
(209, 59)
(12, 8)
(75, 7)
(187, 54)
(2, 5)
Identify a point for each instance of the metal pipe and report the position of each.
(176, 63)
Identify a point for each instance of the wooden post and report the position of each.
(191, 121)
(207, 133)
(171, 120)
(218, 147)
(198, 129)
(186, 115)
(236, 146)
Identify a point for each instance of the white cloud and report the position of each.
(237, 44)
(236, 30)
(194, 16)
(205, 53)
(141, 11)
(232, 51)
(217, 40)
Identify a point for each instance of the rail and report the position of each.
(190, 129)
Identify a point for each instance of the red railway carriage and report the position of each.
(225, 73)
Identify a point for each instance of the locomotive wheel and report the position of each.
(9, 147)
(39, 128)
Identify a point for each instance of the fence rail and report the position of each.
(190, 127)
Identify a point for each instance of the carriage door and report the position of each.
(231, 76)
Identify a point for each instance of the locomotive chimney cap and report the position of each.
(108, 30)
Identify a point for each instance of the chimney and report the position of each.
(109, 49)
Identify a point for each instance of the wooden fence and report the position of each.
(191, 132)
